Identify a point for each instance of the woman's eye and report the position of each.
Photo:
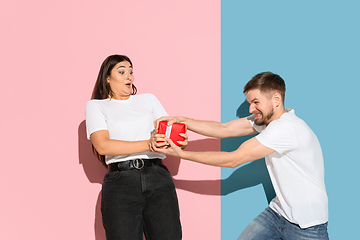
(131, 72)
(121, 72)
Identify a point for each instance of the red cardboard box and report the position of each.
(172, 131)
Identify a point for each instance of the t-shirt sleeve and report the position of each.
(251, 119)
(95, 118)
(279, 136)
(158, 109)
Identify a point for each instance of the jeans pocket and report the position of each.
(112, 176)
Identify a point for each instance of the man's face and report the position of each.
(261, 106)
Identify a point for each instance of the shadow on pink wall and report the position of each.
(245, 176)
(95, 171)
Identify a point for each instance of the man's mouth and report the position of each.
(258, 114)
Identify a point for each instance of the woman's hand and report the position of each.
(158, 140)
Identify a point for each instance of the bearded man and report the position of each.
(292, 154)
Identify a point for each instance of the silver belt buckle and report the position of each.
(138, 163)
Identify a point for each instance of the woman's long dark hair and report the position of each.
(102, 89)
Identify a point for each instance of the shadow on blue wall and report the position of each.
(250, 174)
(244, 176)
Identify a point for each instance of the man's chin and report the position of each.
(259, 122)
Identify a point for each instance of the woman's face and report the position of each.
(121, 79)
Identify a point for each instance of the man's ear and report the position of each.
(277, 99)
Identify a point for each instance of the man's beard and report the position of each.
(264, 120)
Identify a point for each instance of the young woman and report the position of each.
(138, 193)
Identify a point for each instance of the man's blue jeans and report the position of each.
(137, 201)
(270, 225)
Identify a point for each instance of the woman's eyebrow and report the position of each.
(123, 67)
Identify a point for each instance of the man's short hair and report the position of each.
(267, 82)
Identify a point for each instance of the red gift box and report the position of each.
(172, 131)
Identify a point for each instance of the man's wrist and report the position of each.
(182, 119)
(184, 154)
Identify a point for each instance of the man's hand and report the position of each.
(170, 149)
(159, 140)
(169, 119)
(185, 142)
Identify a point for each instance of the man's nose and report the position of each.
(251, 108)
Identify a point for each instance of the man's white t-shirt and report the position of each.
(296, 169)
(127, 120)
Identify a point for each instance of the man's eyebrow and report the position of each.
(254, 100)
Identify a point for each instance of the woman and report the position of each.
(138, 193)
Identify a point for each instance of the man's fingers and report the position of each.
(172, 144)
(170, 122)
(184, 135)
(156, 122)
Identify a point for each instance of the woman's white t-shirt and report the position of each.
(127, 120)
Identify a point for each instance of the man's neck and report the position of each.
(278, 113)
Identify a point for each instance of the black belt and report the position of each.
(137, 163)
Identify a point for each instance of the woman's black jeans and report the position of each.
(140, 201)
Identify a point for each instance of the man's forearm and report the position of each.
(234, 128)
(219, 159)
(206, 128)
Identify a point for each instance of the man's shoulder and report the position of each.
(283, 124)
(286, 119)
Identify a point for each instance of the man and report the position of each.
(292, 153)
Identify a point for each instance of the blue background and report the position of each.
(314, 46)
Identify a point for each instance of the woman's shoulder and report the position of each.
(95, 103)
(145, 96)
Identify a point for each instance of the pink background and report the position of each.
(50, 56)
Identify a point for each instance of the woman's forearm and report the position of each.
(112, 147)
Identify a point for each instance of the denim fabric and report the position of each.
(270, 225)
(140, 201)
